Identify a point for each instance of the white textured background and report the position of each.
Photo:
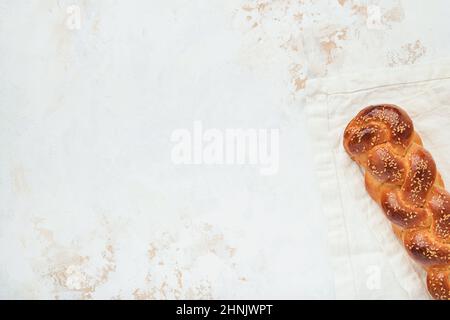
(91, 205)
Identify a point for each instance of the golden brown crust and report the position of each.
(402, 177)
(439, 205)
(438, 283)
(423, 247)
(385, 165)
(375, 125)
(400, 213)
(421, 176)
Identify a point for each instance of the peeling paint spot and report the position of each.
(179, 276)
(298, 76)
(231, 250)
(276, 14)
(360, 10)
(70, 271)
(299, 84)
(173, 267)
(299, 17)
(408, 54)
(139, 294)
(329, 44)
(151, 251)
(395, 14)
(19, 181)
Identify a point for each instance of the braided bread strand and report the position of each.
(401, 176)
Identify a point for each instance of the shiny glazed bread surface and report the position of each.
(401, 176)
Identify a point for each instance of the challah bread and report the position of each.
(401, 176)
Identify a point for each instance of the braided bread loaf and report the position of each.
(401, 176)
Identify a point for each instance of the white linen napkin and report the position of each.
(369, 261)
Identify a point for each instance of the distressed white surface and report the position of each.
(91, 204)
